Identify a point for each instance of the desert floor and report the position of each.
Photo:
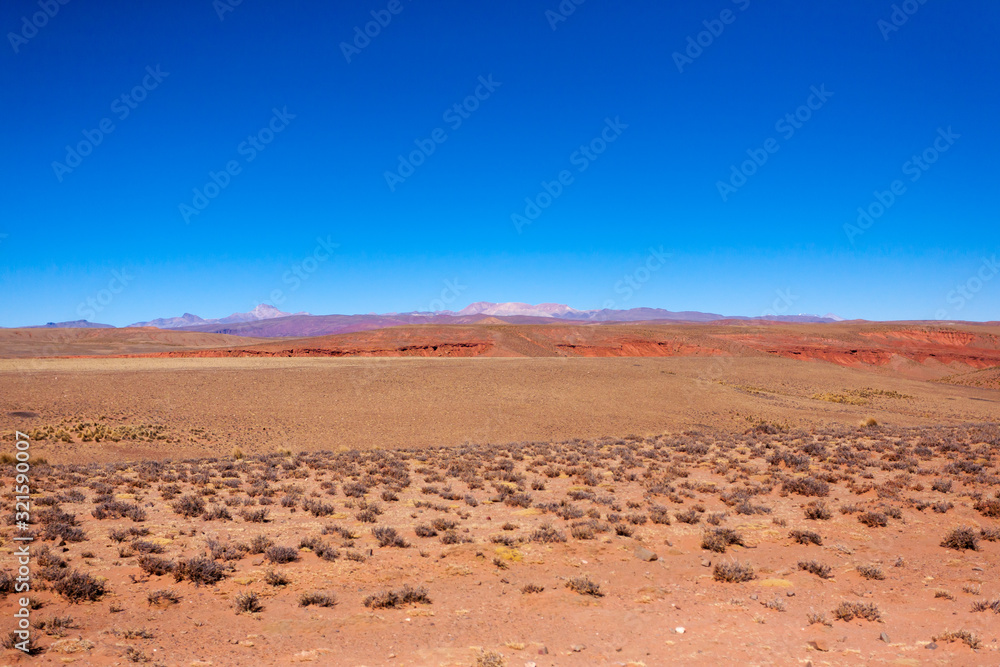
(626, 489)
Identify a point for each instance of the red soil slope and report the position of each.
(926, 351)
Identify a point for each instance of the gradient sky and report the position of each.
(654, 187)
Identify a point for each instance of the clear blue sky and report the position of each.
(656, 185)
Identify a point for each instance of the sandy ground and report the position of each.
(307, 404)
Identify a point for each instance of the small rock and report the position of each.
(706, 563)
(819, 645)
(543, 651)
(577, 647)
(753, 596)
(790, 594)
(642, 553)
(530, 664)
(679, 630)
(884, 637)
(931, 646)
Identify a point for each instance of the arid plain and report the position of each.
(512, 494)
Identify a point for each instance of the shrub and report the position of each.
(584, 586)
(871, 572)
(986, 605)
(623, 530)
(248, 603)
(527, 589)
(547, 535)
(199, 570)
(490, 659)
(275, 578)
(388, 537)
(156, 566)
(317, 508)
(146, 547)
(733, 572)
(80, 587)
(218, 513)
(281, 555)
(658, 514)
(443, 524)
(189, 506)
(423, 530)
(806, 537)
(57, 625)
(317, 598)
(961, 538)
(988, 508)
(13, 640)
(874, 519)
(719, 539)
(968, 638)
(260, 543)
(320, 548)
(941, 485)
(689, 516)
(848, 611)
(806, 486)
(393, 599)
(163, 596)
(817, 568)
(255, 516)
(133, 654)
(817, 510)
(7, 582)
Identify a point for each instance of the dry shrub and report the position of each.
(848, 611)
(871, 572)
(874, 519)
(392, 599)
(961, 538)
(733, 573)
(806, 537)
(199, 570)
(584, 586)
(815, 567)
(318, 599)
(248, 603)
(970, 639)
(80, 587)
(719, 539)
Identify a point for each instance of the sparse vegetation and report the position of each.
(733, 572)
(318, 599)
(961, 539)
(871, 572)
(391, 599)
(584, 586)
(815, 567)
(248, 603)
(848, 611)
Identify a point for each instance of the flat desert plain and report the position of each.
(508, 495)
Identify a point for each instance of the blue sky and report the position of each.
(301, 131)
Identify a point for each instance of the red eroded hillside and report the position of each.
(918, 350)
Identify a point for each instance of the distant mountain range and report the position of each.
(266, 321)
(75, 324)
(261, 312)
